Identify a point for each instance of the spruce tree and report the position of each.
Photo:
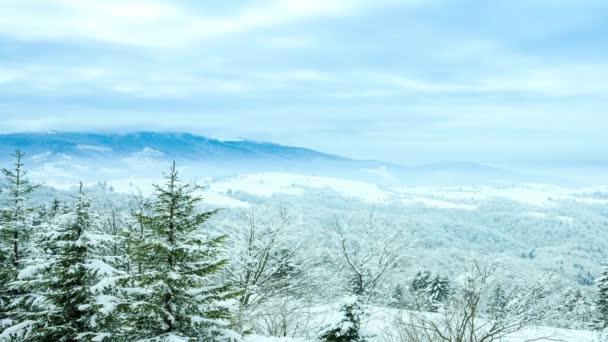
(438, 290)
(602, 303)
(398, 298)
(59, 281)
(421, 282)
(16, 228)
(346, 326)
(576, 308)
(72, 268)
(175, 295)
(497, 302)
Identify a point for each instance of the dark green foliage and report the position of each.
(173, 293)
(421, 281)
(67, 279)
(16, 227)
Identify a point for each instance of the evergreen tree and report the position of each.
(438, 290)
(398, 299)
(16, 227)
(74, 267)
(421, 282)
(602, 303)
(576, 308)
(59, 281)
(496, 303)
(346, 326)
(176, 295)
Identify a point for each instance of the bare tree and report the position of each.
(367, 253)
(283, 317)
(266, 259)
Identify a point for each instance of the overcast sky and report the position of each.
(403, 81)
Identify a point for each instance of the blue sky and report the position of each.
(404, 81)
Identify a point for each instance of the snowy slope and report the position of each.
(463, 198)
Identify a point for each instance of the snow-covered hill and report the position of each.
(96, 156)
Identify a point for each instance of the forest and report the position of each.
(94, 265)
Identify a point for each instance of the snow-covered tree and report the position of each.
(61, 280)
(602, 303)
(16, 229)
(463, 318)
(345, 325)
(398, 298)
(495, 306)
(367, 254)
(266, 258)
(438, 290)
(421, 282)
(177, 295)
(576, 308)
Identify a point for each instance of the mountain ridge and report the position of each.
(214, 157)
(179, 145)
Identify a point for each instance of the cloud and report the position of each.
(380, 79)
(152, 23)
(557, 80)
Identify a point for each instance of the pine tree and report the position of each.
(175, 295)
(602, 303)
(16, 227)
(346, 326)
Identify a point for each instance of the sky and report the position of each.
(404, 81)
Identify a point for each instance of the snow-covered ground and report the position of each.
(379, 324)
(219, 191)
(465, 198)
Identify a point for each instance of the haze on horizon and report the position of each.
(402, 81)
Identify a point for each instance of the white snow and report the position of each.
(429, 202)
(31, 271)
(267, 184)
(220, 200)
(135, 185)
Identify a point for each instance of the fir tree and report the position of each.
(73, 269)
(576, 307)
(16, 227)
(346, 326)
(398, 299)
(59, 280)
(497, 303)
(438, 290)
(174, 296)
(421, 282)
(602, 303)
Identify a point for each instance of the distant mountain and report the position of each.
(97, 156)
(183, 146)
